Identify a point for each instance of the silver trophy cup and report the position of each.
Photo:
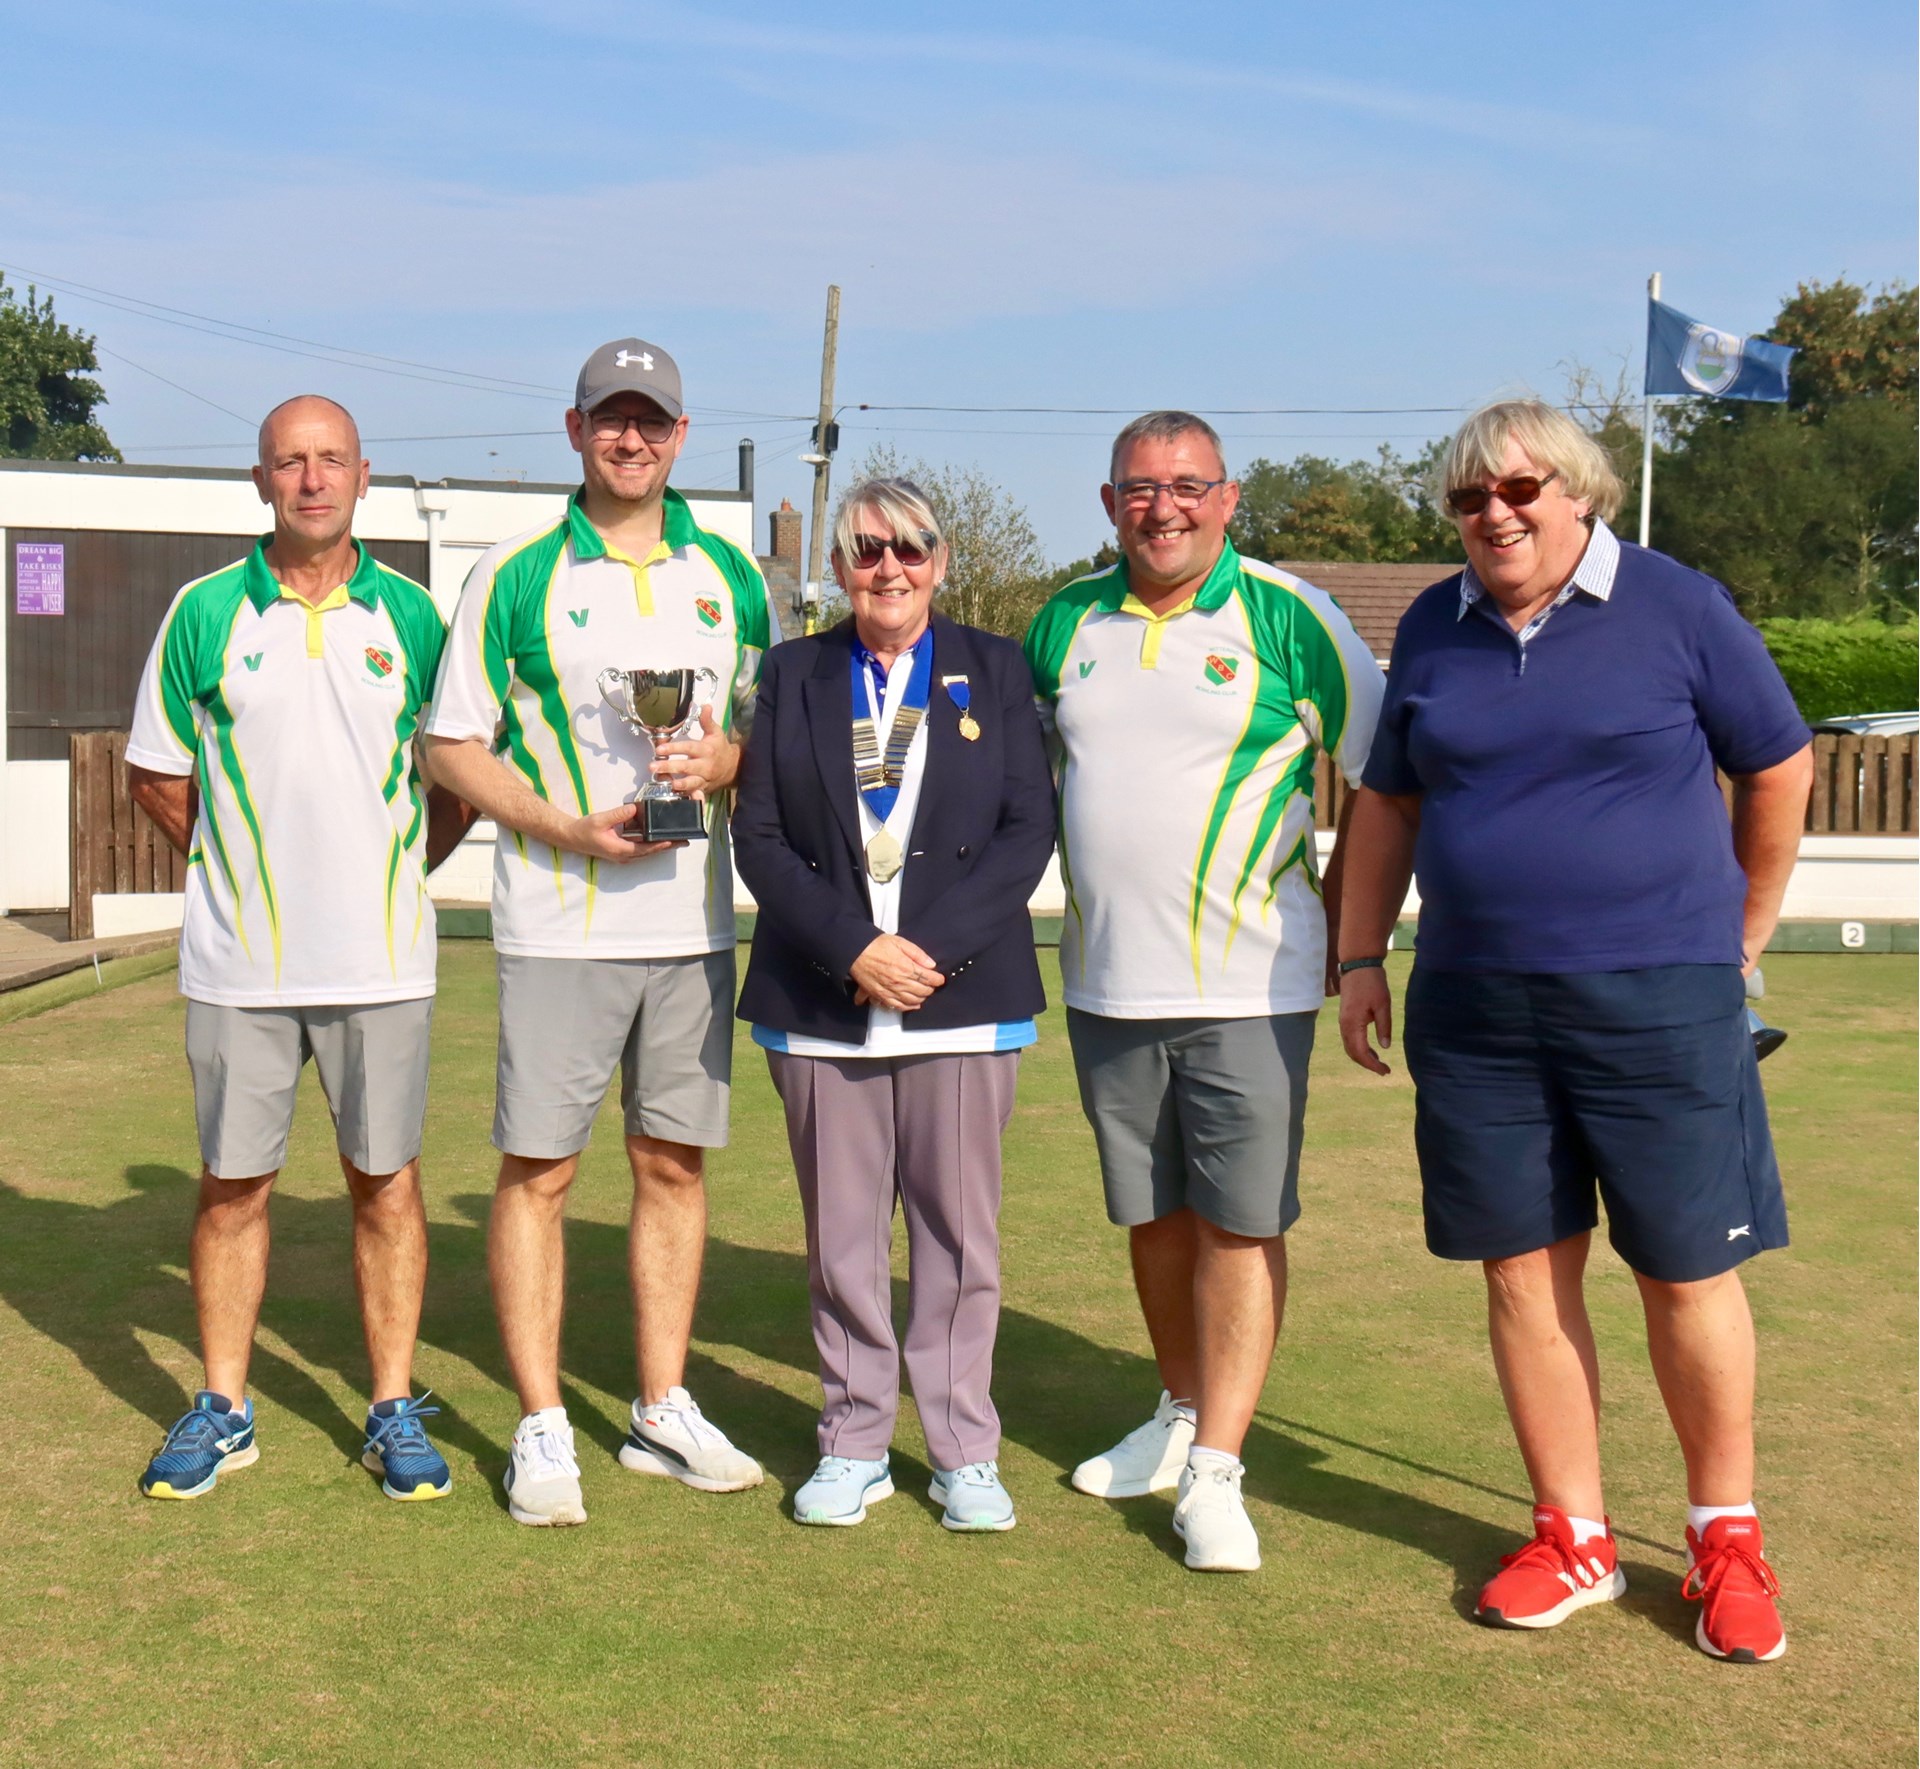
(659, 704)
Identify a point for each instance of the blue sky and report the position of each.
(1121, 205)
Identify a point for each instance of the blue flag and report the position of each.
(1684, 356)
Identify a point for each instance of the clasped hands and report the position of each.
(895, 973)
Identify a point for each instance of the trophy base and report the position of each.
(673, 819)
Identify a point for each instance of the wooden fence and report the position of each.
(115, 846)
(1861, 786)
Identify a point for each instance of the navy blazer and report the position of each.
(982, 834)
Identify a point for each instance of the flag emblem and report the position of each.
(379, 663)
(708, 610)
(1711, 359)
(1221, 670)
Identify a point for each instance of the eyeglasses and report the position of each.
(867, 550)
(1516, 493)
(655, 427)
(1188, 494)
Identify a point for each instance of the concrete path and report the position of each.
(32, 949)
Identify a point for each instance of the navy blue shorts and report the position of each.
(1536, 1090)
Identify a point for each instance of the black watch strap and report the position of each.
(1347, 964)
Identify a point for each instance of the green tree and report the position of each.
(1315, 509)
(47, 395)
(1807, 509)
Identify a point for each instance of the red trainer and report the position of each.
(1543, 1583)
(1729, 1578)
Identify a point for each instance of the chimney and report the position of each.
(785, 525)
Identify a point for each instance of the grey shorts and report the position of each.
(246, 1064)
(565, 1023)
(1197, 1114)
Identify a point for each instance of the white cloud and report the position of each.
(926, 239)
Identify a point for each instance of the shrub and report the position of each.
(1856, 666)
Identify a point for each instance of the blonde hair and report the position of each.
(1548, 437)
(897, 507)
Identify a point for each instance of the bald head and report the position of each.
(301, 410)
(311, 472)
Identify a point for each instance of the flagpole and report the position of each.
(1646, 424)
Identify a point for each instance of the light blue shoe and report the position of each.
(973, 1496)
(841, 1490)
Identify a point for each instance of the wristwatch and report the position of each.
(1347, 964)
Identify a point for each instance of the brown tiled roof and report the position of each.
(1373, 597)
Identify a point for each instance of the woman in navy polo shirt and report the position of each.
(1544, 767)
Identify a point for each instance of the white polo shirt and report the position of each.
(540, 617)
(1186, 745)
(306, 882)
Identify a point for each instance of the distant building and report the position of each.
(783, 565)
(1372, 596)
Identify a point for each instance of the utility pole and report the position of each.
(1646, 426)
(824, 439)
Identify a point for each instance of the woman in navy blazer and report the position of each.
(895, 814)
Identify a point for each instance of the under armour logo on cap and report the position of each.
(629, 365)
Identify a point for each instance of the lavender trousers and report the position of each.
(925, 1130)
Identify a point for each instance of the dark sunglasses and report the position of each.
(867, 550)
(1516, 493)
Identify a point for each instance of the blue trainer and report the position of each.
(841, 1490)
(399, 1450)
(973, 1497)
(202, 1445)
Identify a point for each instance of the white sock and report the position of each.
(1585, 1529)
(1200, 1452)
(553, 1418)
(1699, 1516)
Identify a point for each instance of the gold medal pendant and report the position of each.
(884, 858)
(968, 728)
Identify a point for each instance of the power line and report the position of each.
(175, 385)
(132, 303)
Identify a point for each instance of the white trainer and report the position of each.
(1147, 1460)
(1211, 1518)
(673, 1437)
(543, 1478)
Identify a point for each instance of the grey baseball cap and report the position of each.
(629, 365)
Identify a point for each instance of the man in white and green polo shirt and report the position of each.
(1189, 692)
(273, 744)
(613, 951)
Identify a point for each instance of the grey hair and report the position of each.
(1548, 438)
(1163, 427)
(898, 506)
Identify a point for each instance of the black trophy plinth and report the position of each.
(673, 820)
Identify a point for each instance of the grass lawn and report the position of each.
(295, 1616)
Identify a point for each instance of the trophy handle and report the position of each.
(607, 681)
(707, 683)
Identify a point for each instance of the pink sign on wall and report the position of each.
(39, 577)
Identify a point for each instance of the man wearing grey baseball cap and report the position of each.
(612, 949)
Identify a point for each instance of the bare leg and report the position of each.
(1700, 1338)
(228, 1265)
(1163, 1261)
(526, 1258)
(665, 1247)
(1239, 1295)
(1549, 1372)
(389, 1270)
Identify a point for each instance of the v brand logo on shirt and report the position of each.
(578, 616)
(1086, 669)
(253, 661)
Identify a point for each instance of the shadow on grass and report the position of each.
(96, 1278)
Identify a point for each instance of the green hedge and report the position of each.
(1855, 666)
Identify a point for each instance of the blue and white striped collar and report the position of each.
(1594, 574)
